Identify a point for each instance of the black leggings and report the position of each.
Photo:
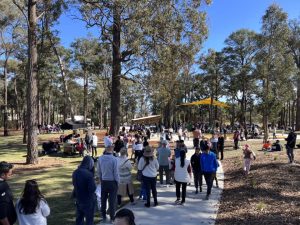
(178, 185)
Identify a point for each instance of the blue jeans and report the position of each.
(150, 183)
(85, 211)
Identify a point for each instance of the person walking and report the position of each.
(32, 208)
(8, 214)
(290, 145)
(221, 145)
(248, 155)
(84, 191)
(94, 144)
(163, 154)
(107, 169)
(125, 186)
(182, 176)
(196, 167)
(209, 165)
(149, 166)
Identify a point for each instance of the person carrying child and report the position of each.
(248, 156)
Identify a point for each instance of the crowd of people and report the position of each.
(100, 184)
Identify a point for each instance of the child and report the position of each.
(247, 158)
(172, 169)
(98, 194)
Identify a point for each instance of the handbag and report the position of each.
(139, 174)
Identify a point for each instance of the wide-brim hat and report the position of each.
(148, 152)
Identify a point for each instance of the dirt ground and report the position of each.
(270, 195)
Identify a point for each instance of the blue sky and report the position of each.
(224, 17)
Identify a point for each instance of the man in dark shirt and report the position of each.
(290, 145)
(195, 162)
(7, 209)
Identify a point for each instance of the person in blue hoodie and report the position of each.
(209, 166)
(84, 191)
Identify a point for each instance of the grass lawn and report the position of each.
(53, 174)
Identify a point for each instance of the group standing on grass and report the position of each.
(31, 208)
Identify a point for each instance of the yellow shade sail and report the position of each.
(207, 101)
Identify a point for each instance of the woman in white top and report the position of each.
(32, 207)
(125, 186)
(149, 166)
(182, 176)
(137, 148)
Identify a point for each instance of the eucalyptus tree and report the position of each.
(9, 22)
(273, 65)
(294, 48)
(213, 66)
(240, 51)
(88, 55)
(133, 28)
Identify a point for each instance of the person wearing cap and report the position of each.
(149, 166)
(290, 145)
(107, 169)
(125, 186)
(163, 154)
(8, 214)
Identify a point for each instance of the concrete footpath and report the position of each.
(195, 211)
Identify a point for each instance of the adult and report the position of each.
(197, 136)
(107, 141)
(196, 167)
(149, 166)
(88, 140)
(137, 148)
(236, 138)
(119, 143)
(214, 142)
(163, 154)
(8, 214)
(182, 176)
(277, 146)
(32, 207)
(209, 165)
(221, 145)
(94, 144)
(84, 191)
(180, 133)
(125, 186)
(290, 145)
(124, 217)
(108, 173)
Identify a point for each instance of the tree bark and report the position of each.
(298, 103)
(32, 144)
(5, 116)
(85, 96)
(116, 72)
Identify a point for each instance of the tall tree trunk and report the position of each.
(293, 114)
(25, 127)
(68, 100)
(5, 116)
(85, 96)
(116, 72)
(32, 144)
